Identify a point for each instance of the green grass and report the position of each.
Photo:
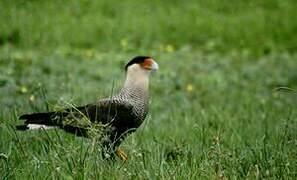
(258, 27)
(214, 110)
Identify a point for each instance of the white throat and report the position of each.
(137, 78)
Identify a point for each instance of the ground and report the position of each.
(215, 111)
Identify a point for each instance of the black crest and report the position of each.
(136, 60)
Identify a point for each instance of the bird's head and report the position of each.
(138, 70)
(141, 63)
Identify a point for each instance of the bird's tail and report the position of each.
(37, 121)
(49, 120)
(33, 127)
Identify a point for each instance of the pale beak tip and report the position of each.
(155, 66)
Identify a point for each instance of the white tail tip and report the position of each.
(39, 126)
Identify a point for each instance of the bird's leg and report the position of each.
(109, 153)
(110, 148)
(121, 154)
(118, 151)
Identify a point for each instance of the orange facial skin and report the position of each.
(147, 64)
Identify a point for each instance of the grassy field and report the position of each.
(215, 112)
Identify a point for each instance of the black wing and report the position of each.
(77, 119)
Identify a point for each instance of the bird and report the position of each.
(118, 115)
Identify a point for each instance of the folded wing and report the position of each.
(77, 120)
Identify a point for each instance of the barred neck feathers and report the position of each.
(137, 82)
(135, 89)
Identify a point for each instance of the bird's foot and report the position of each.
(121, 154)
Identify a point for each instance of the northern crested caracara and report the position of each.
(121, 114)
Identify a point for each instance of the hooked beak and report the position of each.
(154, 66)
(150, 64)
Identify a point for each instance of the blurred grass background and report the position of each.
(256, 26)
(214, 111)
